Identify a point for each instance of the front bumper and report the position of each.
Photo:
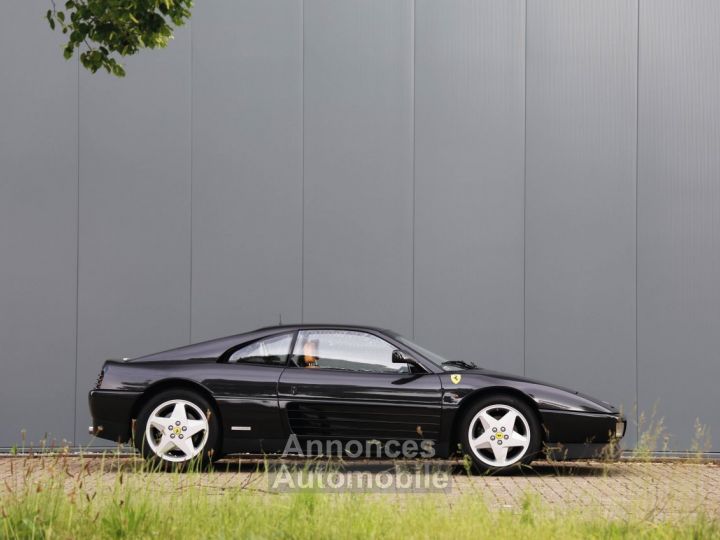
(573, 451)
(111, 412)
(573, 435)
(571, 427)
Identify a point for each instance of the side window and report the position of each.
(349, 350)
(271, 351)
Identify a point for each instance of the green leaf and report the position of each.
(118, 70)
(106, 30)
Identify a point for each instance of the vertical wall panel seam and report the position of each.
(192, 147)
(524, 284)
(302, 161)
(637, 184)
(77, 254)
(413, 80)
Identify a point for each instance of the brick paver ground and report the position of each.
(649, 490)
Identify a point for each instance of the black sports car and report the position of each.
(254, 392)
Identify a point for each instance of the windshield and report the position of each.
(441, 362)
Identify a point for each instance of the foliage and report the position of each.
(116, 502)
(109, 29)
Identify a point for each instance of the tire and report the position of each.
(487, 438)
(171, 440)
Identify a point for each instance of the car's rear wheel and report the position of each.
(176, 428)
(500, 432)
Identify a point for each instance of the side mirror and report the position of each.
(399, 357)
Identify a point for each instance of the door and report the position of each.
(342, 385)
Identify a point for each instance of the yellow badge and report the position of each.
(455, 378)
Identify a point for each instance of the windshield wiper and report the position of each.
(460, 363)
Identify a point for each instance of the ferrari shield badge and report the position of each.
(455, 378)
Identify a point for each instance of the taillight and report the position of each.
(100, 378)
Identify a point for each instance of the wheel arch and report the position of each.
(476, 395)
(173, 384)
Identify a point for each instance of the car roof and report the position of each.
(213, 348)
(324, 326)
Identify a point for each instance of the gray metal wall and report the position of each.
(533, 184)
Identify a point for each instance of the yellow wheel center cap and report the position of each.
(177, 431)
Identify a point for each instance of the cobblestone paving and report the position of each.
(649, 490)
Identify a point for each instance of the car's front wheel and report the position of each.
(500, 432)
(177, 427)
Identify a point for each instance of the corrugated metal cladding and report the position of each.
(530, 184)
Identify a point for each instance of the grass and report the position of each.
(50, 499)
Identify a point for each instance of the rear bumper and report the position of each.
(111, 412)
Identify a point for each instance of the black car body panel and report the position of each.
(260, 406)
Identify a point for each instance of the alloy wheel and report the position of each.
(177, 430)
(499, 435)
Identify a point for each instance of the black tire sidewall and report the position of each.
(209, 453)
(511, 401)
